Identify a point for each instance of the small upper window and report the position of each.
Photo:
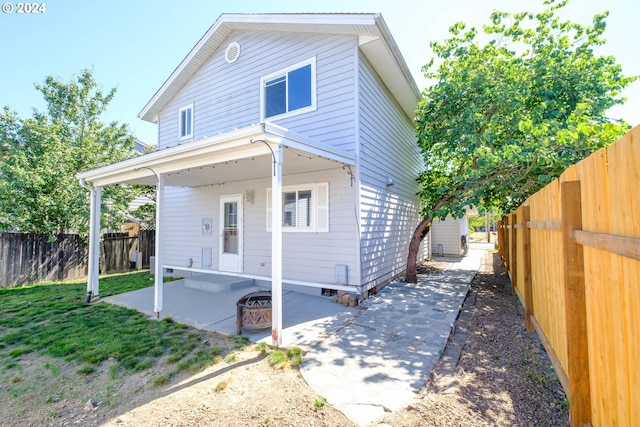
(185, 122)
(290, 91)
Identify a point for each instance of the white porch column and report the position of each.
(94, 243)
(158, 284)
(276, 248)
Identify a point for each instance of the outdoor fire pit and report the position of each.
(254, 311)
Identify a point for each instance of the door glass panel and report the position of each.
(230, 228)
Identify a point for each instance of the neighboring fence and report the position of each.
(116, 250)
(573, 254)
(32, 258)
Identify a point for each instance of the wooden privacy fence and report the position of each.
(32, 258)
(116, 250)
(573, 254)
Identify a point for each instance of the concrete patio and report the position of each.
(307, 319)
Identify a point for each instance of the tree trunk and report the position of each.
(419, 233)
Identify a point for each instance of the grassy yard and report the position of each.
(53, 320)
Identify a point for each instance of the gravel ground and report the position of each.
(493, 372)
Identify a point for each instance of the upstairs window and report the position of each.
(185, 122)
(289, 92)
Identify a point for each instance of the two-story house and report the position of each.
(286, 154)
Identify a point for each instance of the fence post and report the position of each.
(501, 237)
(575, 304)
(507, 245)
(526, 268)
(514, 253)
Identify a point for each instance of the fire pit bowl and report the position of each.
(254, 311)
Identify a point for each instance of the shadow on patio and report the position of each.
(307, 319)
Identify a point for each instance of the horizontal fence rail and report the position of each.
(573, 254)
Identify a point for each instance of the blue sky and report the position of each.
(134, 45)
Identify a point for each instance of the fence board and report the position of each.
(595, 217)
(526, 269)
(624, 181)
(548, 258)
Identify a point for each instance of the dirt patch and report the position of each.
(493, 372)
(244, 389)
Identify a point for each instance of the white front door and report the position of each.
(231, 233)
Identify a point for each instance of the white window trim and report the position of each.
(282, 72)
(319, 211)
(190, 135)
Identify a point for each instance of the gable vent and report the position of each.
(232, 53)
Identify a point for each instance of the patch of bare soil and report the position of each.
(493, 373)
(242, 390)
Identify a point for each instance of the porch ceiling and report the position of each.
(238, 155)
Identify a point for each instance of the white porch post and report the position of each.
(158, 284)
(94, 243)
(276, 248)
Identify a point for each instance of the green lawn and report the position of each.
(53, 319)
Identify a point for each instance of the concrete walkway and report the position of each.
(382, 358)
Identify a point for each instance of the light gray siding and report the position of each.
(388, 149)
(307, 257)
(448, 233)
(227, 96)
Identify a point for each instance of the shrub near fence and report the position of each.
(32, 258)
(573, 254)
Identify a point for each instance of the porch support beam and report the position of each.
(94, 243)
(159, 270)
(276, 247)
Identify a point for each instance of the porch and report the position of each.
(252, 153)
(308, 318)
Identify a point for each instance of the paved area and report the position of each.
(364, 361)
(307, 319)
(382, 357)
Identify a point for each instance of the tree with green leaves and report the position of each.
(506, 116)
(41, 155)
